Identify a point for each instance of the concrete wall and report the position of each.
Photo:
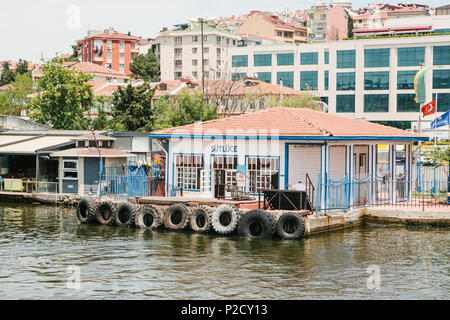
(19, 124)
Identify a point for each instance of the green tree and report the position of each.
(64, 94)
(16, 99)
(132, 107)
(183, 109)
(146, 66)
(305, 100)
(350, 27)
(22, 67)
(7, 76)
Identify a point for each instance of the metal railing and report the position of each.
(19, 186)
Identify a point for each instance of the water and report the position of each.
(41, 248)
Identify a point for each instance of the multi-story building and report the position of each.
(443, 10)
(262, 24)
(179, 51)
(110, 49)
(368, 79)
(327, 21)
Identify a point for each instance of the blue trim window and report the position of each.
(345, 81)
(308, 80)
(287, 77)
(376, 103)
(441, 55)
(265, 76)
(345, 59)
(407, 57)
(262, 60)
(405, 79)
(326, 80)
(441, 79)
(406, 103)
(262, 173)
(240, 61)
(187, 171)
(307, 58)
(345, 103)
(378, 80)
(327, 57)
(443, 102)
(374, 58)
(285, 59)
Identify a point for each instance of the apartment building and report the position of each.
(179, 51)
(110, 49)
(369, 79)
(264, 25)
(328, 21)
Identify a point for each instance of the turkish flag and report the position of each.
(429, 108)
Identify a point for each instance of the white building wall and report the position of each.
(359, 46)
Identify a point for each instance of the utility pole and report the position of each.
(281, 92)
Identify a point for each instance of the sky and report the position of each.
(31, 29)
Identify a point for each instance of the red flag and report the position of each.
(429, 108)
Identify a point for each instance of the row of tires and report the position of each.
(225, 219)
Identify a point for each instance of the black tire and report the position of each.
(125, 214)
(290, 226)
(148, 218)
(225, 219)
(105, 212)
(257, 224)
(201, 219)
(176, 217)
(86, 210)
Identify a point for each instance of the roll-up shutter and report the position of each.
(336, 162)
(304, 160)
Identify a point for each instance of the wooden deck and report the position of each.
(193, 201)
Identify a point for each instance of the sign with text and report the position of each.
(223, 148)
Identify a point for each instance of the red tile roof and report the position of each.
(291, 122)
(92, 152)
(7, 87)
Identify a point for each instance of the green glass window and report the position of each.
(345, 103)
(396, 124)
(237, 76)
(265, 76)
(374, 58)
(376, 103)
(308, 80)
(442, 102)
(287, 77)
(441, 55)
(441, 79)
(308, 58)
(345, 81)
(262, 60)
(378, 80)
(345, 59)
(410, 56)
(325, 85)
(405, 79)
(406, 103)
(327, 57)
(285, 59)
(239, 61)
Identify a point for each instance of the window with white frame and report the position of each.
(262, 173)
(70, 169)
(122, 44)
(187, 171)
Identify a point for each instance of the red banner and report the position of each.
(429, 108)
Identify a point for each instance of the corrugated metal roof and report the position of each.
(11, 139)
(30, 145)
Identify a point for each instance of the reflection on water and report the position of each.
(39, 243)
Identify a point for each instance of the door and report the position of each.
(336, 163)
(304, 160)
(219, 184)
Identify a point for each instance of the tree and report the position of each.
(64, 93)
(22, 67)
(132, 107)
(440, 156)
(305, 100)
(350, 27)
(146, 66)
(182, 110)
(16, 99)
(7, 76)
